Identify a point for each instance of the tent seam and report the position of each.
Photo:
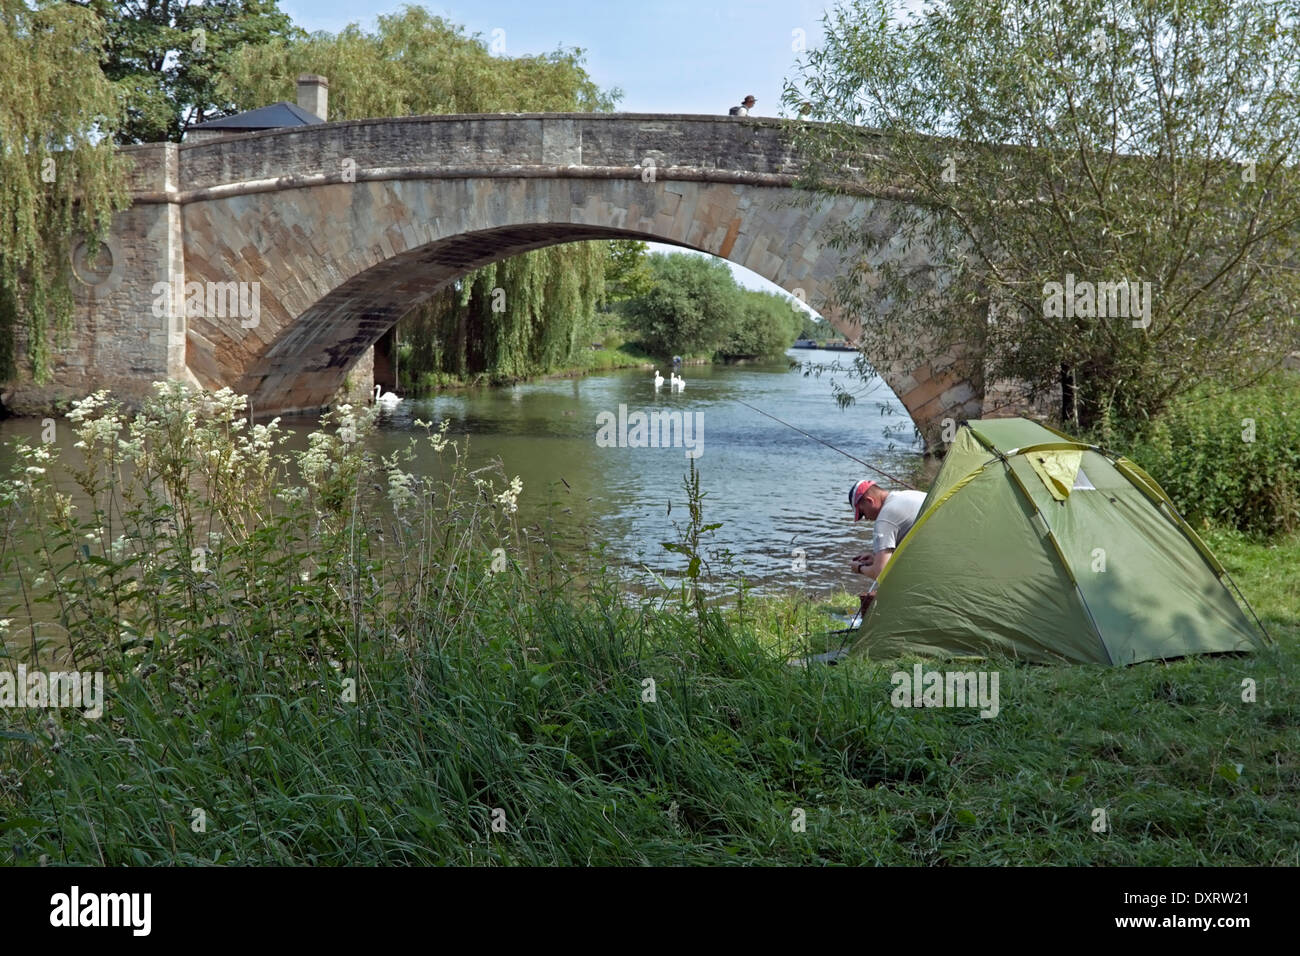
(1065, 565)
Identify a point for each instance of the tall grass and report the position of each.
(339, 662)
(348, 671)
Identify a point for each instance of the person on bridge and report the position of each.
(894, 513)
(743, 109)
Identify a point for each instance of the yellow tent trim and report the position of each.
(1147, 485)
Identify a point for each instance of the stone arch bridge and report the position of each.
(315, 240)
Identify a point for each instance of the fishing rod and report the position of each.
(878, 471)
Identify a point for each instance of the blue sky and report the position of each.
(667, 56)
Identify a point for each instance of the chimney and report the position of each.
(314, 94)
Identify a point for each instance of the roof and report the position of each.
(275, 116)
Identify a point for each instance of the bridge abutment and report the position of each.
(123, 338)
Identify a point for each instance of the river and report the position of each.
(780, 497)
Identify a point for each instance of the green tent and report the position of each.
(1035, 546)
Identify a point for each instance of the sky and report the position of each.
(667, 56)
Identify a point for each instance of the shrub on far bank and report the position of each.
(1230, 457)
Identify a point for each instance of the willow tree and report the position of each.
(167, 57)
(510, 319)
(414, 63)
(1110, 188)
(522, 316)
(59, 178)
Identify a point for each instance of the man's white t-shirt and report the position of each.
(897, 515)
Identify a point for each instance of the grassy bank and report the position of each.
(354, 673)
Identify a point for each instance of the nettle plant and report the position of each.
(192, 533)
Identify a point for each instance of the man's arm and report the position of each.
(877, 563)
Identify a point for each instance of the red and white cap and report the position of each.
(856, 493)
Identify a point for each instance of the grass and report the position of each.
(506, 718)
(625, 356)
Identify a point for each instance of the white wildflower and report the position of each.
(509, 499)
(399, 488)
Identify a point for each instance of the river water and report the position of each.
(781, 498)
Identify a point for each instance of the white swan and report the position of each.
(387, 398)
(679, 383)
(659, 380)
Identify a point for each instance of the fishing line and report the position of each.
(878, 471)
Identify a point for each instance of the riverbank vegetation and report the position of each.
(623, 308)
(59, 177)
(1104, 243)
(1228, 457)
(693, 304)
(333, 661)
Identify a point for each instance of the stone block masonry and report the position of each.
(344, 227)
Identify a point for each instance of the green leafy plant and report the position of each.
(1231, 457)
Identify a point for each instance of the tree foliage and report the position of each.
(1076, 143)
(414, 63)
(59, 178)
(813, 327)
(767, 324)
(694, 307)
(515, 318)
(627, 274)
(168, 57)
(691, 307)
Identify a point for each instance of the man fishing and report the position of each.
(894, 513)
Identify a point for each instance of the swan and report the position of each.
(387, 398)
(659, 380)
(679, 383)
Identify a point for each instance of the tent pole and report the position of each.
(1263, 630)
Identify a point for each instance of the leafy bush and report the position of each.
(1231, 457)
(766, 325)
(690, 308)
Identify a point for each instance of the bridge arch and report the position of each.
(343, 227)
